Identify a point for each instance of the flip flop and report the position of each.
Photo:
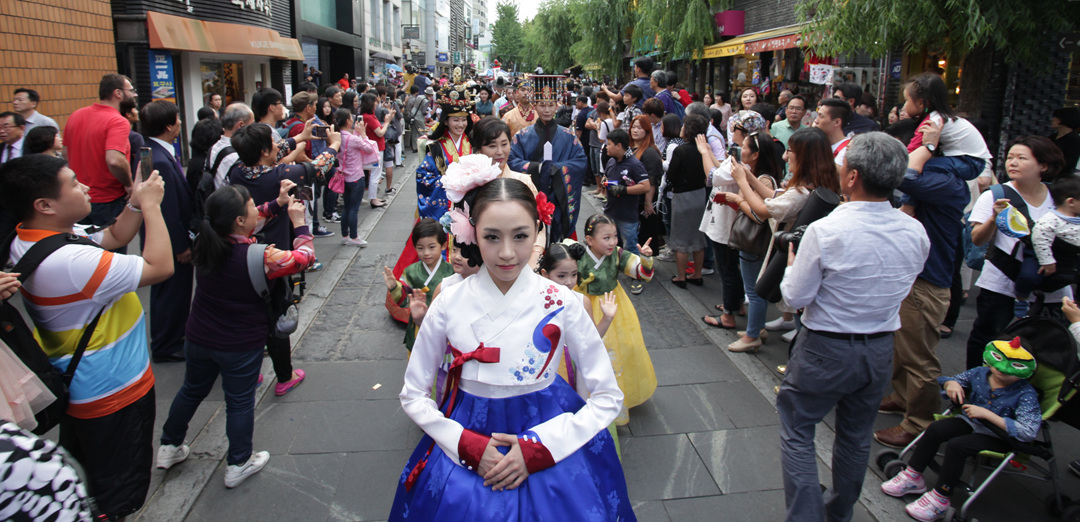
(718, 324)
(720, 308)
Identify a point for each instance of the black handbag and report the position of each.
(750, 233)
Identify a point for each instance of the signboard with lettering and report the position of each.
(163, 82)
(443, 57)
(773, 44)
(895, 68)
(420, 58)
(410, 32)
(821, 74)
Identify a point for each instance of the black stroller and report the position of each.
(1056, 380)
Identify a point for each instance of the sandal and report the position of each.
(678, 283)
(742, 309)
(719, 324)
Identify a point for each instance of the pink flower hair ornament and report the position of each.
(458, 222)
(467, 173)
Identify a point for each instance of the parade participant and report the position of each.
(524, 114)
(599, 274)
(560, 175)
(505, 326)
(429, 241)
(228, 325)
(449, 142)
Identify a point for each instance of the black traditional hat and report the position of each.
(456, 99)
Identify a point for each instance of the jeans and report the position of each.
(102, 214)
(628, 233)
(750, 266)
(956, 292)
(354, 194)
(239, 376)
(730, 276)
(823, 374)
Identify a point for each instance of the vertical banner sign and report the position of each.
(163, 83)
(821, 74)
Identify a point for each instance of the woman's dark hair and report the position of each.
(367, 103)
(250, 141)
(486, 131)
(323, 109)
(478, 199)
(1045, 152)
(26, 179)
(721, 97)
(342, 118)
(717, 118)
(348, 100)
(485, 88)
(558, 252)
(596, 220)
(1069, 117)
(672, 126)
(814, 166)
(39, 139)
(444, 127)
(212, 246)
(693, 125)
(205, 134)
(768, 159)
(930, 89)
(428, 227)
(739, 99)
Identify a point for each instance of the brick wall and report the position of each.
(60, 48)
(762, 15)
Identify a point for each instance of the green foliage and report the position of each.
(681, 26)
(603, 26)
(506, 35)
(943, 26)
(550, 35)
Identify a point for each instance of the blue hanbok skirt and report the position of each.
(586, 486)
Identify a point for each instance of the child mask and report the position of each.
(1010, 358)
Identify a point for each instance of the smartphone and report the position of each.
(320, 131)
(305, 193)
(146, 162)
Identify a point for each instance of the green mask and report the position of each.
(1010, 358)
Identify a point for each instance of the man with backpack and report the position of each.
(303, 106)
(222, 156)
(79, 286)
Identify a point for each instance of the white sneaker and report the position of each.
(780, 324)
(707, 271)
(356, 242)
(236, 475)
(169, 455)
(789, 336)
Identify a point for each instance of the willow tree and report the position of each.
(602, 26)
(550, 35)
(974, 29)
(680, 27)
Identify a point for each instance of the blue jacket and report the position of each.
(1017, 403)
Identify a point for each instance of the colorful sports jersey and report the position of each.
(63, 295)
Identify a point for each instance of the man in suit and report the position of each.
(170, 300)
(12, 127)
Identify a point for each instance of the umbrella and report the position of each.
(394, 67)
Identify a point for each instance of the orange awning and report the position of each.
(187, 34)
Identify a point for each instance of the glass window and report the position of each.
(322, 12)
(226, 79)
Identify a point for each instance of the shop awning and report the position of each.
(187, 34)
(771, 40)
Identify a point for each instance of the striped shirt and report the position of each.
(63, 295)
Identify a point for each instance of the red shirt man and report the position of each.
(98, 149)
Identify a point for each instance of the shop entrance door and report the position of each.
(224, 78)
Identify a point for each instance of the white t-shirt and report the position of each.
(991, 278)
(960, 138)
(606, 126)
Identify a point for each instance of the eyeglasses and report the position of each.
(132, 91)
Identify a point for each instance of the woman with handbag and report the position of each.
(356, 151)
(376, 130)
(687, 178)
(809, 157)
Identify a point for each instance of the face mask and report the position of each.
(1009, 358)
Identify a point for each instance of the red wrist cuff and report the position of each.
(537, 457)
(471, 448)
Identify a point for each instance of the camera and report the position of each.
(793, 237)
(320, 131)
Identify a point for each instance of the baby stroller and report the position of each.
(1056, 379)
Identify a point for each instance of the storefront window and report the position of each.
(224, 78)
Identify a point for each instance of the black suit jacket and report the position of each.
(177, 205)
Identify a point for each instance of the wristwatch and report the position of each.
(930, 147)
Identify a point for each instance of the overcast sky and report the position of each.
(527, 9)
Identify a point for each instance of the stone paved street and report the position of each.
(706, 447)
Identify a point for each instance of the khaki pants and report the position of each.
(915, 363)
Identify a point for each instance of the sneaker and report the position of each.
(282, 388)
(236, 475)
(321, 231)
(666, 254)
(353, 241)
(928, 508)
(789, 336)
(780, 324)
(906, 482)
(169, 455)
(636, 287)
(315, 267)
(708, 271)
(389, 190)
(335, 218)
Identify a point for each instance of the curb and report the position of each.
(178, 490)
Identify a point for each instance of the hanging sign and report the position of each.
(821, 74)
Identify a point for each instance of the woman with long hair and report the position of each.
(809, 157)
(228, 325)
(375, 131)
(687, 179)
(357, 150)
(651, 226)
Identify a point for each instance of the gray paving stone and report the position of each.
(290, 487)
(651, 511)
(679, 409)
(366, 488)
(742, 460)
(664, 467)
(349, 381)
(757, 505)
(346, 426)
(742, 403)
(277, 424)
(693, 365)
